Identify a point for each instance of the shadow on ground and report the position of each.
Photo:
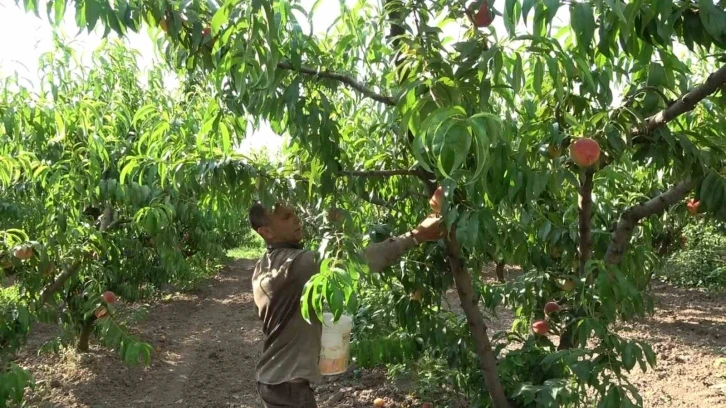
(206, 342)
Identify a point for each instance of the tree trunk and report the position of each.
(624, 230)
(85, 336)
(500, 271)
(566, 339)
(585, 217)
(462, 278)
(475, 321)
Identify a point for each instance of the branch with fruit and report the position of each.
(480, 14)
(630, 218)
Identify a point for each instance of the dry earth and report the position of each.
(207, 343)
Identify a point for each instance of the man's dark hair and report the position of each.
(258, 216)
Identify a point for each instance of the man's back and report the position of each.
(292, 346)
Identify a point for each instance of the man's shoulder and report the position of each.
(306, 256)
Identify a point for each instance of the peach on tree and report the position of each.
(585, 152)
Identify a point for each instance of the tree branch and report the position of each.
(58, 283)
(107, 217)
(375, 200)
(684, 104)
(585, 217)
(475, 321)
(353, 83)
(70, 271)
(630, 218)
(118, 223)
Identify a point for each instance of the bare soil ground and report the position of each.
(207, 344)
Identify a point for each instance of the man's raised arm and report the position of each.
(380, 255)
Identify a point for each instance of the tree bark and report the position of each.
(630, 218)
(350, 81)
(684, 104)
(585, 219)
(475, 321)
(85, 337)
(58, 283)
(107, 217)
(500, 271)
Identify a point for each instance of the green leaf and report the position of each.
(510, 17)
(526, 8)
(628, 356)
(142, 113)
(59, 9)
(612, 399)
(517, 74)
(712, 18)
(657, 75)
(132, 164)
(93, 12)
(544, 230)
(582, 369)
(220, 18)
(538, 76)
(224, 131)
(649, 354)
(583, 24)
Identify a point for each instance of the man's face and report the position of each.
(284, 226)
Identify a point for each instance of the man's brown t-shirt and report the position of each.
(291, 349)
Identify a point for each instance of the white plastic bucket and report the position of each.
(335, 344)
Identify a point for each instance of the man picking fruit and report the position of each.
(291, 350)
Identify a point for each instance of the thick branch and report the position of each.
(118, 223)
(58, 283)
(500, 271)
(353, 83)
(585, 218)
(475, 321)
(685, 103)
(70, 271)
(376, 200)
(106, 218)
(630, 218)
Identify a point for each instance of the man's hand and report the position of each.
(429, 229)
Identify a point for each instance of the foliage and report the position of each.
(701, 262)
(251, 247)
(384, 106)
(73, 195)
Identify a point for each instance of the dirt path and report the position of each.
(208, 342)
(688, 334)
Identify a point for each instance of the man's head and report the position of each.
(276, 226)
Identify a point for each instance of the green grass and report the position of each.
(252, 248)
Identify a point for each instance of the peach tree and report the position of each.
(87, 229)
(400, 97)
